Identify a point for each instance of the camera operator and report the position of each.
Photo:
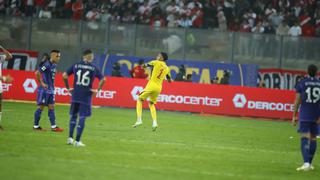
(226, 77)
(116, 70)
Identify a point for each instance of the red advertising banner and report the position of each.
(176, 96)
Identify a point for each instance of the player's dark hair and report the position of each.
(164, 56)
(87, 52)
(312, 70)
(55, 51)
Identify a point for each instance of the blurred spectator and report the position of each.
(189, 78)
(89, 6)
(214, 80)
(308, 30)
(45, 13)
(2, 7)
(268, 28)
(116, 70)
(283, 29)
(181, 75)
(77, 9)
(138, 71)
(197, 16)
(105, 15)
(233, 15)
(93, 16)
(295, 30)
(185, 22)
(226, 77)
(67, 9)
(210, 19)
(221, 19)
(29, 8)
(261, 84)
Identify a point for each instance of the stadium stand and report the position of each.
(232, 15)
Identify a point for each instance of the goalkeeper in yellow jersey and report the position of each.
(160, 71)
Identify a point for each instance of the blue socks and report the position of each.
(305, 149)
(52, 117)
(72, 125)
(312, 149)
(80, 127)
(37, 116)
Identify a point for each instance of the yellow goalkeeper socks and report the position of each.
(153, 112)
(139, 110)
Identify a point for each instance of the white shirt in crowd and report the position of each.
(295, 31)
(172, 9)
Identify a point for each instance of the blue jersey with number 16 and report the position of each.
(84, 74)
(309, 88)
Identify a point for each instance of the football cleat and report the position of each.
(57, 129)
(79, 144)
(138, 123)
(1, 128)
(305, 167)
(39, 128)
(70, 141)
(154, 128)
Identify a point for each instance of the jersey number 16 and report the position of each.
(83, 80)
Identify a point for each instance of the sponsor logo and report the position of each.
(192, 100)
(180, 99)
(240, 101)
(135, 92)
(101, 94)
(6, 87)
(30, 85)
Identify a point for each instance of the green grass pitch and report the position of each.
(185, 146)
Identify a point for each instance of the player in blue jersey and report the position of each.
(45, 97)
(308, 98)
(84, 74)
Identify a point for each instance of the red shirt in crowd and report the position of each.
(40, 3)
(138, 72)
(77, 9)
(308, 30)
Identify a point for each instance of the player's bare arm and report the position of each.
(101, 83)
(66, 82)
(39, 79)
(296, 107)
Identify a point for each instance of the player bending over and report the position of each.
(84, 74)
(5, 56)
(308, 98)
(152, 90)
(45, 75)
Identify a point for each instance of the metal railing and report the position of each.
(268, 51)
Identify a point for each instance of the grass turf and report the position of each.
(185, 146)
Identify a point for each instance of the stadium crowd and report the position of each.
(282, 17)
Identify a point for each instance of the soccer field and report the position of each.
(185, 146)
